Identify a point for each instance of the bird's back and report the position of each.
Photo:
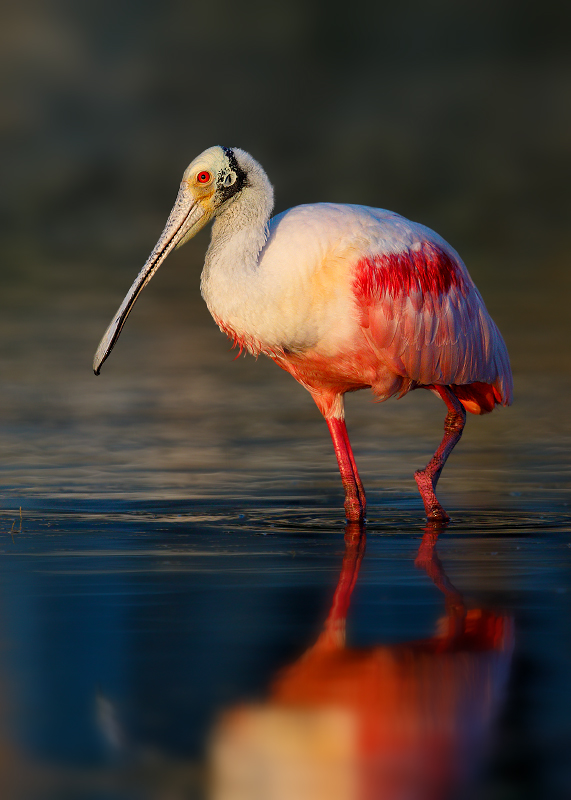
(401, 285)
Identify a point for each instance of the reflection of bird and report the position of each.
(343, 297)
(406, 720)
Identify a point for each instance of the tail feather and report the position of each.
(478, 398)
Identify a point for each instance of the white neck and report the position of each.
(239, 233)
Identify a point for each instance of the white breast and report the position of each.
(297, 292)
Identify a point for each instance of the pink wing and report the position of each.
(427, 321)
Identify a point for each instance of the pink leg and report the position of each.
(360, 488)
(355, 503)
(427, 478)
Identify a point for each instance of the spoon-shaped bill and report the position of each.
(187, 217)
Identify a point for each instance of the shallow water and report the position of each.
(127, 630)
(172, 534)
(175, 570)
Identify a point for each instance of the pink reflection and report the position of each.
(397, 722)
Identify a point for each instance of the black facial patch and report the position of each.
(226, 192)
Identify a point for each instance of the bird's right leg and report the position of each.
(427, 478)
(331, 405)
(355, 502)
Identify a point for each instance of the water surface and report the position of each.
(172, 535)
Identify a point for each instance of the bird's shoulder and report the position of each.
(365, 229)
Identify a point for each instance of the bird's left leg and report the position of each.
(427, 478)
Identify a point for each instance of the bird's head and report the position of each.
(210, 185)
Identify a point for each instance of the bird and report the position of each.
(343, 297)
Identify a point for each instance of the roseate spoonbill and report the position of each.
(343, 297)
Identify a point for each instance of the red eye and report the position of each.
(203, 177)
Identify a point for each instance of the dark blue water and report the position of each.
(180, 539)
(126, 631)
(172, 533)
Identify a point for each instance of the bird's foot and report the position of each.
(434, 511)
(353, 516)
(355, 509)
(355, 501)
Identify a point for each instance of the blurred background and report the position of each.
(456, 115)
